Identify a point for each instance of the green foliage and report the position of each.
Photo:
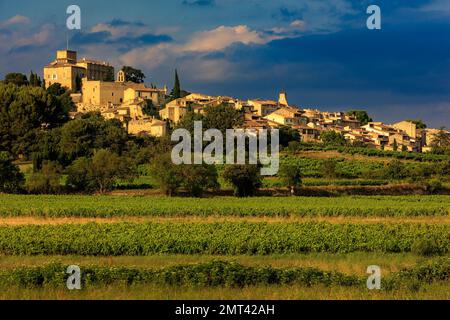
(166, 174)
(35, 80)
(46, 181)
(198, 178)
(288, 136)
(133, 75)
(117, 206)
(222, 117)
(176, 91)
(221, 238)
(17, 79)
(211, 274)
(328, 168)
(81, 137)
(361, 115)
(100, 173)
(291, 175)
(333, 138)
(426, 247)
(441, 142)
(11, 179)
(23, 112)
(245, 179)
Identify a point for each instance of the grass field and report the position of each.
(256, 248)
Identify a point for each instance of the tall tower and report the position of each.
(282, 100)
(121, 76)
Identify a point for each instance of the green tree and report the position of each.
(419, 123)
(198, 178)
(361, 115)
(245, 179)
(45, 181)
(11, 179)
(176, 91)
(441, 142)
(222, 117)
(81, 137)
(291, 176)
(167, 175)
(328, 169)
(101, 172)
(332, 138)
(17, 79)
(25, 110)
(35, 80)
(133, 75)
(288, 135)
(395, 145)
(151, 110)
(78, 83)
(395, 170)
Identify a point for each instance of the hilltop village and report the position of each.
(98, 89)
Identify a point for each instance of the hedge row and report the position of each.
(214, 274)
(138, 239)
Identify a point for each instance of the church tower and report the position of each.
(121, 76)
(282, 100)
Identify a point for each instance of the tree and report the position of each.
(361, 115)
(245, 179)
(11, 179)
(332, 138)
(328, 168)
(288, 135)
(395, 145)
(46, 181)
(441, 142)
(133, 75)
(419, 123)
(24, 111)
(167, 174)
(291, 176)
(198, 178)
(17, 79)
(151, 110)
(56, 90)
(110, 76)
(101, 172)
(395, 170)
(81, 137)
(176, 91)
(222, 117)
(35, 80)
(78, 83)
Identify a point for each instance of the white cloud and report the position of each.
(222, 37)
(16, 20)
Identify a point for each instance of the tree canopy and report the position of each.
(133, 75)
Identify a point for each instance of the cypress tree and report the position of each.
(176, 91)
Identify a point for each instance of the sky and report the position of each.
(320, 52)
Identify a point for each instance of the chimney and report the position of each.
(282, 100)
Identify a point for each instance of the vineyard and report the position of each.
(117, 206)
(224, 247)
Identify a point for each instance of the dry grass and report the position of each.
(14, 221)
(294, 292)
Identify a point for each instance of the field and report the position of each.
(148, 247)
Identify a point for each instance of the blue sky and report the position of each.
(319, 51)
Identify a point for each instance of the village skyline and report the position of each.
(323, 55)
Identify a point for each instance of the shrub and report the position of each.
(11, 179)
(246, 179)
(425, 247)
(46, 181)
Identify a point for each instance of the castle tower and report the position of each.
(282, 100)
(121, 76)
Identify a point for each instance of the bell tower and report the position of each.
(282, 100)
(121, 76)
